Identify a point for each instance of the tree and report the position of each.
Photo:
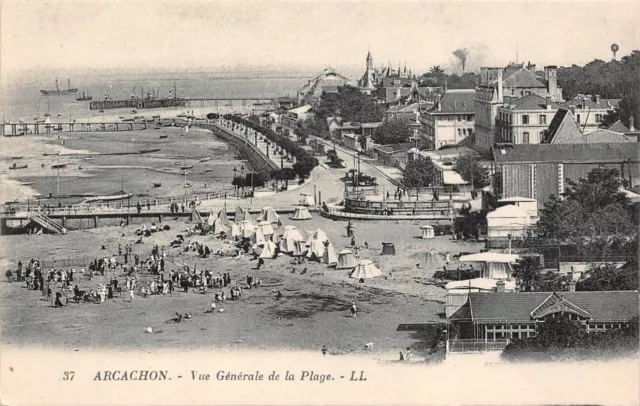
(527, 271)
(333, 160)
(350, 104)
(472, 171)
(393, 132)
(436, 70)
(610, 277)
(419, 173)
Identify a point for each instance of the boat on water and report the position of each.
(16, 166)
(146, 151)
(26, 183)
(60, 165)
(17, 157)
(209, 170)
(183, 167)
(60, 92)
(205, 160)
(120, 195)
(163, 137)
(157, 184)
(84, 97)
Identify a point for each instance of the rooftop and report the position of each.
(394, 147)
(531, 102)
(523, 78)
(565, 153)
(602, 306)
(604, 136)
(456, 101)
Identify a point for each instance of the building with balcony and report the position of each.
(451, 121)
(515, 81)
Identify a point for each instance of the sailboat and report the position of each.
(60, 92)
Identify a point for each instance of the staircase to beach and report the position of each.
(48, 224)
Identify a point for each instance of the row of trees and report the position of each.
(614, 79)
(305, 162)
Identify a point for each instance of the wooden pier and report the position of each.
(17, 129)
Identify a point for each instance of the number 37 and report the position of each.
(68, 375)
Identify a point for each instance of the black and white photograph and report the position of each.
(319, 202)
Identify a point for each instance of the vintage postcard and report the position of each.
(319, 202)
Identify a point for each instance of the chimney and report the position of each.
(584, 102)
(499, 85)
(550, 74)
(500, 286)
(597, 99)
(631, 123)
(572, 286)
(507, 102)
(484, 75)
(548, 103)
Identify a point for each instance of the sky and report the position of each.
(308, 35)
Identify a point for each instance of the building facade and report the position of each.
(515, 81)
(451, 121)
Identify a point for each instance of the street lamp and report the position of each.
(235, 179)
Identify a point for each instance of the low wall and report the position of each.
(258, 160)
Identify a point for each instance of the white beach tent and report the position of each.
(266, 228)
(239, 215)
(365, 269)
(306, 199)
(299, 249)
(329, 256)
(346, 260)
(259, 238)
(235, 230)
(247, 215)
(433, 260)
(269, 250)
(289, 237)
(247, 228)
(507, 220)
(219, 227)
(427, 232)
(268, 214)
(222, 215)
(301, 213)
(315, 244)
(211, 219)
(494, 265)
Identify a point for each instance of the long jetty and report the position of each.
(24, 128)
(136, 104)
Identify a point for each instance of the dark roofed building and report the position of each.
(539, 170)
(451, 121)
(393, 154)
(507, 315)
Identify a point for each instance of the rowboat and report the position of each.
(61, 165)
(15, 166)
(186, 167)
(146, 151)
(89, 158)
(209, 170)
(16, 157)
(157, 184)
(105, 198)
(205, 160)
(163, 137)
(26, 183)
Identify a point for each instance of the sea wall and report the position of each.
(258, 160)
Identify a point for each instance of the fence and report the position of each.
(471, 345)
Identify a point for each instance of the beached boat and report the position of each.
(157, 184)
(187, 184)
(16, 157)
(209, 170)
(16, 166)
(89, 158)
(26, 183)
(146, 151)
(60, 165)
(183, 167)
(205, 160)
(114, 196)
(163, 137)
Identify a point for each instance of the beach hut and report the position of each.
(211, 219)
(508, 220)
(258, 237)
(288, 239)
(346, 260)
(268, 250)
(388, 248)
(315, 244)
(427, 232)
(494, 265)
(266, 228)
(306, 199)
(247, 228)
(329, 256)
(222, 215)
(365, 270)
(239, 216)
(247, 215)
(268, 214)
(301, 213)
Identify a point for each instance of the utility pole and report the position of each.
(58, 188)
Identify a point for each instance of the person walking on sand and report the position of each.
(354, 310)
(407, 356)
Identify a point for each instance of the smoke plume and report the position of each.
(462, 55)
